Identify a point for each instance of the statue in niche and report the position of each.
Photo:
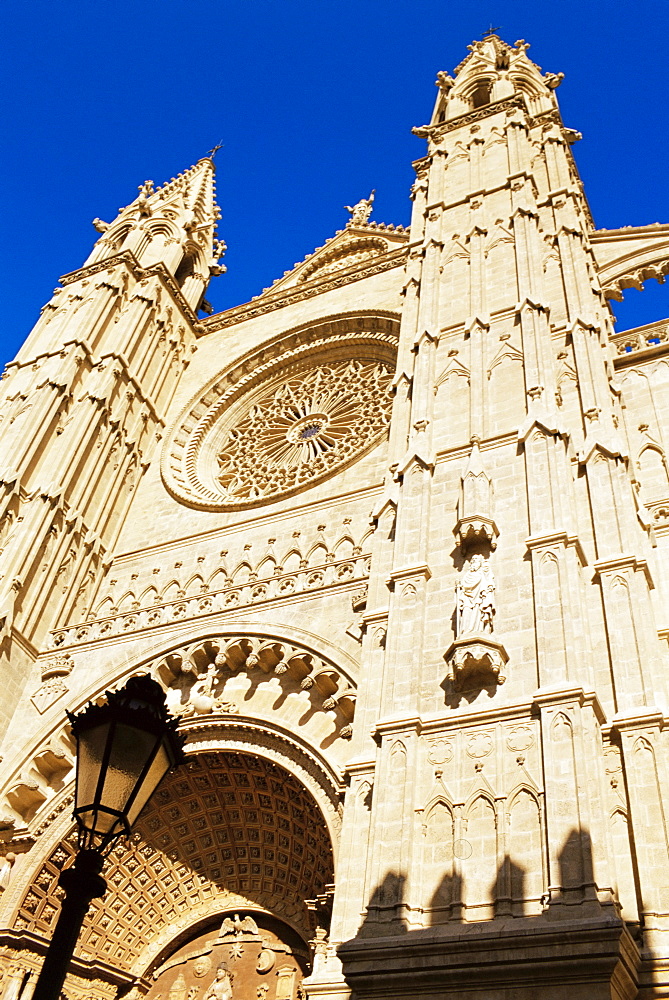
(475, 597)
(221, 988)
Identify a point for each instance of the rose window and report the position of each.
(303, 428)
(284, 418)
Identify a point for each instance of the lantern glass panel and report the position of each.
(132, 750)
(160, 765)
(90, 753)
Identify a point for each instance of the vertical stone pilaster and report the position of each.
(643, 741)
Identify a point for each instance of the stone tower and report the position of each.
(394, 538)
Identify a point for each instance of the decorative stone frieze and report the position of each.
(262, 590)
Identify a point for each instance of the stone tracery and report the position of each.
(285, 417)
(307, 426)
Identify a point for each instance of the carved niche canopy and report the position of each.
(286, 417)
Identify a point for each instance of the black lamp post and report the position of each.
(124, 749)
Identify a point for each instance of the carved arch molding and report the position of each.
(265, 686)
(250, 825)
(628, 257)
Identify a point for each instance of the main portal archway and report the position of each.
(219, 869)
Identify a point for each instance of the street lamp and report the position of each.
(124, 749)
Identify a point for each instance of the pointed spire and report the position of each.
(174, 226)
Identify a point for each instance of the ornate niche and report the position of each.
(252, 955)
(286, 417)
(475, 516)
(476, 657)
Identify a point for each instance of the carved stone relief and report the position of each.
(233, 965)
(475, 592)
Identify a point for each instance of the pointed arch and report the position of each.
(653, 473)
(149, 596)
(480, 868)
(344, 546)
(292, 561)
(242, 573)
(561, 727)
(621, 860)
(219, 579)
(317, 554)
(194, 585)
(128, 601)
(171, 592)
(527, 876)
(266, 567)
(438, 855)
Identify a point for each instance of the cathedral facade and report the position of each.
(394, 539)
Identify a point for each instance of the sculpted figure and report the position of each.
(361, 211)
(234, 925)
(475, 596)
(221, 988)
(6, 870)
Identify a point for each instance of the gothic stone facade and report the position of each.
(394, 537)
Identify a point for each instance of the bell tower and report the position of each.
(83, 406)
(505, 637)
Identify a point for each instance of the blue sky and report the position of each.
(314, 101)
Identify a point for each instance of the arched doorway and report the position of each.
(218, 873)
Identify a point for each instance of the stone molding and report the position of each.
(128, 258)
(269, 303)
(597, 953)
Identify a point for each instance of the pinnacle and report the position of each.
(197, 188)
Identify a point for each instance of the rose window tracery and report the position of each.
(286, 417)
(304, 428)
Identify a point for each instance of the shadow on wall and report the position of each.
(479, 917)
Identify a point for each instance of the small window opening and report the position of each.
(481, 95)
(119, 237)
(186, 269)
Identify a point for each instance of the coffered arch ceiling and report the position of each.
(229, 830)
